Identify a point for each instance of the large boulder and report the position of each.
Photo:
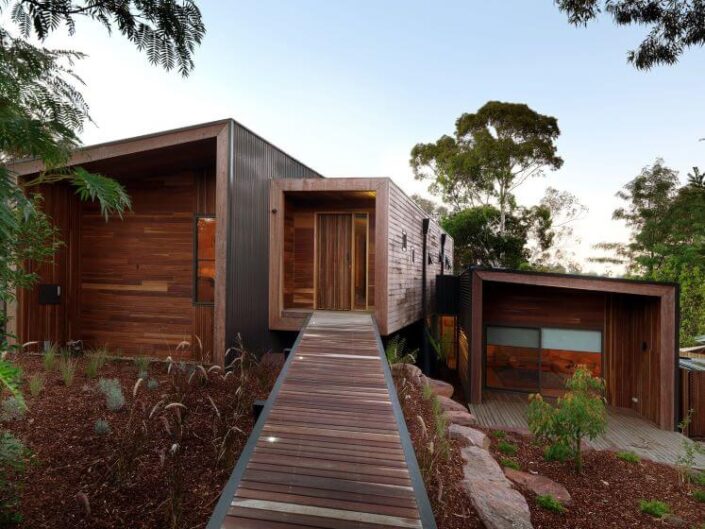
(439, 388)
(407, 370)
(496, 502)
(450, 405)
(539, 485)
(463, 418)
(471, 435)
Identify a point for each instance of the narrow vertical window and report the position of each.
(204, 288)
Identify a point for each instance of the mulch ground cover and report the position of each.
(162, 465)
(442, 475)
(608, 492)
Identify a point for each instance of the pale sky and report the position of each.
(348, 87)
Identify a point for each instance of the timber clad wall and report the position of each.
(404, 270)
(256, 163)
(693, 397)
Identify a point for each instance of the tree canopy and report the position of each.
(675, 25)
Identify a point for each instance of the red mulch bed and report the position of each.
(74, 470)
(607, 493)
(451, 505)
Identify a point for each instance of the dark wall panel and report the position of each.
(255, 163)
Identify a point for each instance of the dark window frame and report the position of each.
(194, 262)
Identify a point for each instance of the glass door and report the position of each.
(513, 357)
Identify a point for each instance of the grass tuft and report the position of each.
(655, 508)
(557, 452)
(699, 495)
(96, 360)
(67, 368)
(550, 503)
(507, 448)
(36, 384)
(114, 398)
(49, 358)
(628, 456)
(101, 427)
(499, 434)
(509, 463)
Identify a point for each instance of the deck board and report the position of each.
(331, 450)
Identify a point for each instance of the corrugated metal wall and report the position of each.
(255, 163)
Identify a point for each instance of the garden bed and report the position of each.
(161, 465)
(442, 475)
(607, 493)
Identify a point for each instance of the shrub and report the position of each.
(152, 384)
(49, 358)
(699, 495)
(557, 452)
(13, 409)
(101, 427)
(578, 414)
(509, 463)
(655, 508)
(67, 368)
(550, 503)
(12, 466)
(499, 434)
(629, 457)
(508, 449)
(114, 398)
(685, 462)
(36, 384)
(396, 354)
(427, 392)
(698, 478)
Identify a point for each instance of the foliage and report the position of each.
(435, 443)
(629, 457)
(396, 351)
(698, 478)
(674, 25)
(699, 495)
(101, 427)
(550, 503)
(12, 467)
(667, 241)
(557, 452)
(509, 463)
(12, 409)
(49, 358)
(11, 379)
(655, 508)
(579, 414)
(499, 434)
(433, 210)
(507, 448)
(67, 369)
(36, 384)
(111, 389)
(152, 384)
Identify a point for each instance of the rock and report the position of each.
(450, 405)
(439, 388)
(674, 521)
(539, 485)
(496, 502)
(471, 435)
(408, 370)
(463, 418)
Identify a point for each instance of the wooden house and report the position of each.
(191, 260)
(527, 332)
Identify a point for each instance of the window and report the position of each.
(204, 273)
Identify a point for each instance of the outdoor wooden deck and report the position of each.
(330, 449)
(625, 431)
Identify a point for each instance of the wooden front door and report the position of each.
(334, 261)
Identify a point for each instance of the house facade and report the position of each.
(191, 260)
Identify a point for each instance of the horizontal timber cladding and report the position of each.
(255, 163)
(464, 330)
(404, 266)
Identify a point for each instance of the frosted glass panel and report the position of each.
(513, 336)
(572, 340)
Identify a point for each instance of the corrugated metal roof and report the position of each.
(692, 364)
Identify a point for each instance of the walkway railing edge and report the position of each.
(226, 497)
(428, 521)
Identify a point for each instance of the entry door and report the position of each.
(334, 261)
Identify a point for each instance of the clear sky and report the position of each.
(348, 87)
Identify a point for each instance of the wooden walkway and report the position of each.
(625, 431)
(331, 449)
